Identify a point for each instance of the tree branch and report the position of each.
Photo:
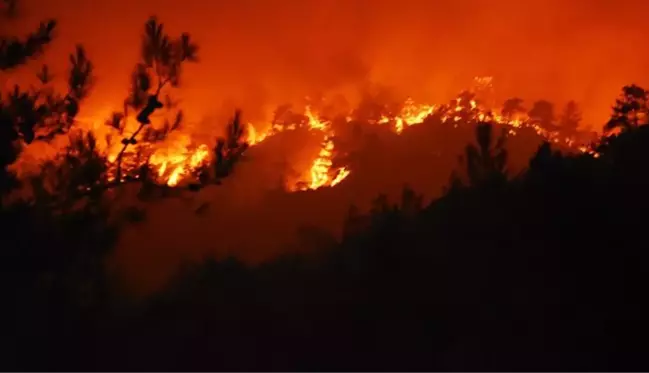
(15, 52)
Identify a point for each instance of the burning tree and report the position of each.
(161, 61)
(465, 108)
(512, 107)
(230, 148)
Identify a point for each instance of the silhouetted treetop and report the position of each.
(511, 107)
(570, 118)
(630, 109)
(79, 171)
(542, 113)
(486, 163)
(43, 113)
(164, 55)
(15, 52)
(230, 149)
(161, 60)
(80, 76)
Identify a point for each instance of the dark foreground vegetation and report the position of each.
(542, 271)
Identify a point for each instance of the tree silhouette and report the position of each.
(14, 51)
(443, 286)
(542, 113)
(486, 163)
(570, 119)
(53, 246)
(229, 149)
(376, 102)
(161, 62)
(411, 202)
(81, 171)
(630, 110)
(512, 107)
(464, 107)
(41, 113)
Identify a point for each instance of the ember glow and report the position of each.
(175, 163)
(172, 161)
(178, 157)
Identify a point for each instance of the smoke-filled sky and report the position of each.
(256, 52)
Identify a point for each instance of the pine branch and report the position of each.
(15, 52)
(163, 56)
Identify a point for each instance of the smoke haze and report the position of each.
(266, 51)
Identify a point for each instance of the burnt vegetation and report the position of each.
(542, 269)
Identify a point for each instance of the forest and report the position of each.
(535, 265)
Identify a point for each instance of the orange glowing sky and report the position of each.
(257, 52)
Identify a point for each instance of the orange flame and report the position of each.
(179, 158)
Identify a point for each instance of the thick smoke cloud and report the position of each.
(268, 51)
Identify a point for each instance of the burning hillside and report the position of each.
(178, 159)
(151, 139)
(348, 155)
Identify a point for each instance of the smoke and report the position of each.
(276, 51)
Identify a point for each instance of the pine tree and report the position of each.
(487, 162)
(15, 51)
(39, 113)
(161, 61)
(570, 119)
(542, 114)
(229, 149)
(630, 110)
(512, 107)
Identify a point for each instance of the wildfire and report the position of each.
(321, 170)
(412, 114)
(175, 163)
(321, 173)
(179, 158)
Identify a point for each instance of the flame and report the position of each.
(412, 114)
(321, 169)
(180, 157)
(176, 162)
